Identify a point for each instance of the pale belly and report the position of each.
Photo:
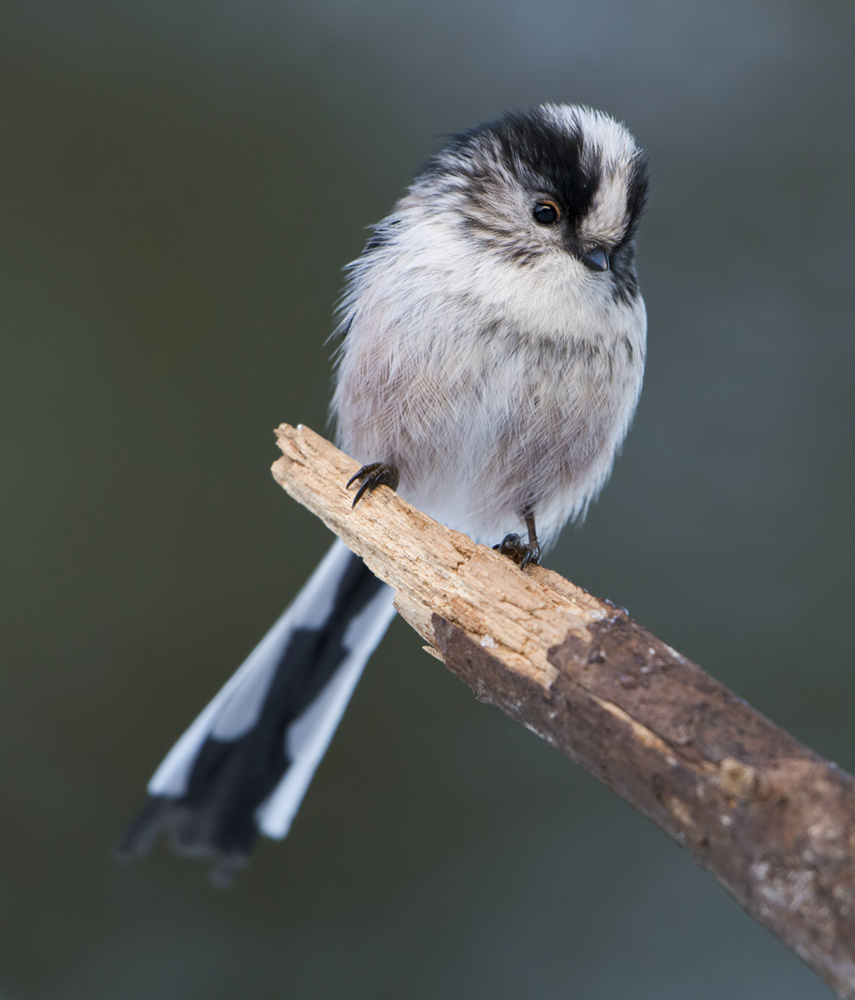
(481, 435)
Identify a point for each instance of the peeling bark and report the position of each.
(773, 821)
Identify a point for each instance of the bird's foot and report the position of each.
(522, 553)
(371, 476)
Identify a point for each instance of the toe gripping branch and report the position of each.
(522, 553)
(371, 476)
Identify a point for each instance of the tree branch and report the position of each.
(773, 821)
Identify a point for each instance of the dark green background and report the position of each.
(181, 183)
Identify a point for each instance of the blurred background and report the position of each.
(180, 185)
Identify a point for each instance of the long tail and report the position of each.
(244, 765)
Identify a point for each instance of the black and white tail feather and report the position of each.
(491, 357)
(243, 767)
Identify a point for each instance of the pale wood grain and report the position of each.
(773, 821)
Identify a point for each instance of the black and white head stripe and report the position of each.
(584, 161)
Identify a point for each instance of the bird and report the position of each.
(491, 342)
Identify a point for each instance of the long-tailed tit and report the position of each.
(492, 343)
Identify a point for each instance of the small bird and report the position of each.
(491, 346)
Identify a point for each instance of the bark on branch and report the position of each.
(773, 821)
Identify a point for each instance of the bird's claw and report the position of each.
(522, 553)
(371, 476)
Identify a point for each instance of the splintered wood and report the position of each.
(773, 821)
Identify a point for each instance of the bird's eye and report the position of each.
(546, 212)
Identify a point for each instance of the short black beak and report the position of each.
(596, 260)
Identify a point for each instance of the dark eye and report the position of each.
(546, 212)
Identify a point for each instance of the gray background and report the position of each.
(181, 184)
